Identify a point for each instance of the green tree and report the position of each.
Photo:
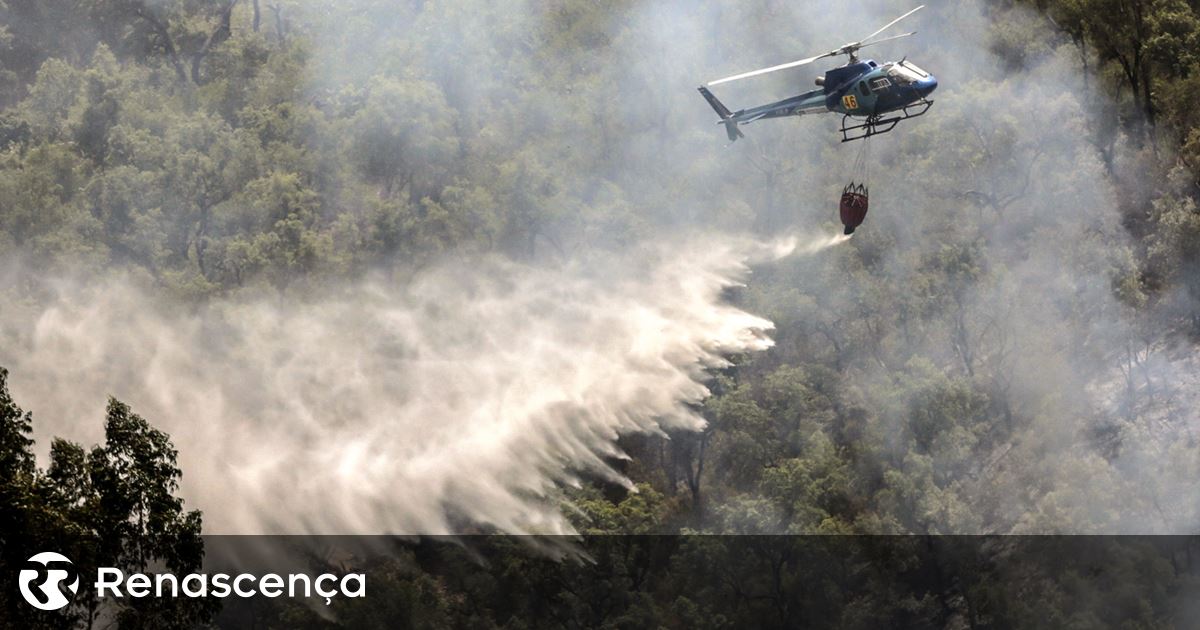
(113, 506)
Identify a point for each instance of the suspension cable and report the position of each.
(862, 165)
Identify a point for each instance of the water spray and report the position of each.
(470, 395)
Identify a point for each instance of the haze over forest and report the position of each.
(382, 267)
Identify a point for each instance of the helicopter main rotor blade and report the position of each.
(847, 49)
(887, 39)
(784, 66)
(890, 25)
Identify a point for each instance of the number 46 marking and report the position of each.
(850, 101)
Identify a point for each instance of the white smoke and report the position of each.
(465, 397)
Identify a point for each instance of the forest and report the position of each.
(1007, 346)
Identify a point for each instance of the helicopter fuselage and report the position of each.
(865, 88)
(871, 98)
(860, 89)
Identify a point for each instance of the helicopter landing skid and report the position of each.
(875, 125)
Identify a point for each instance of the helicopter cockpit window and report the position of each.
(908, 65)
(902, 75)
(881, 83)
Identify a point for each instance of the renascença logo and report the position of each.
(42, 580)
(43, 577)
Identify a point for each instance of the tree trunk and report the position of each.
(280, 29)
(693, 479)
(219, 34)
(202, 241)
(164, 35)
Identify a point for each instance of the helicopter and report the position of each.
(873, 97)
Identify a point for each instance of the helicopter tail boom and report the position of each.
(727, 119)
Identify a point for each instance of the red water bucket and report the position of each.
(853, 207)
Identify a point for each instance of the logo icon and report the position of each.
(42, 579)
